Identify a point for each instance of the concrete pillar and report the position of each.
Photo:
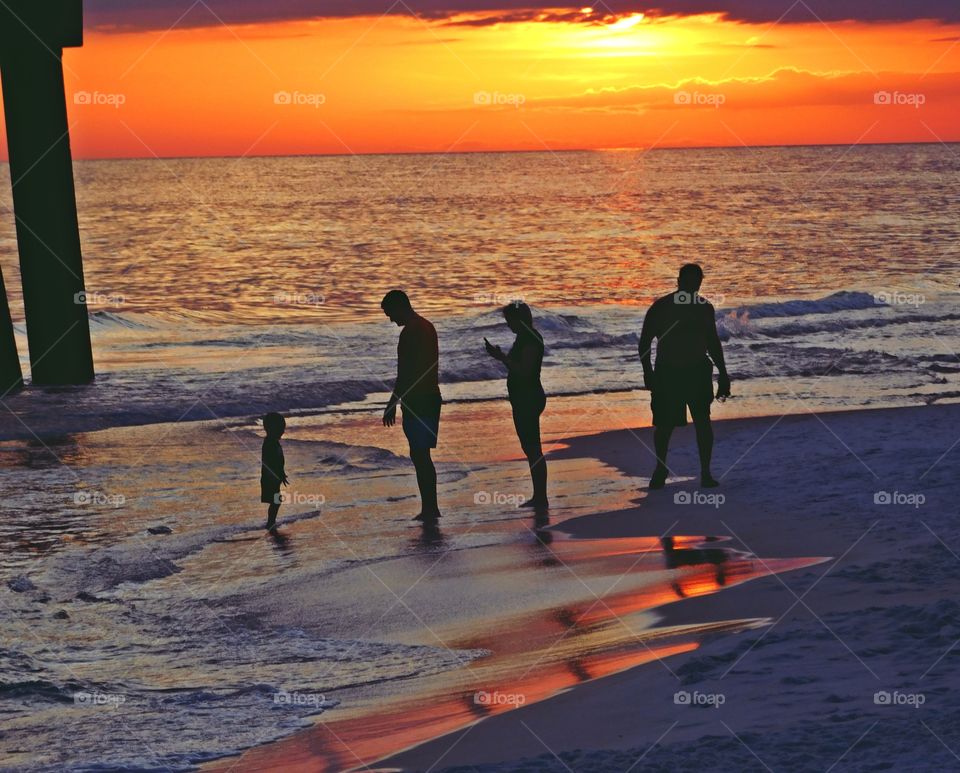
(32, 38)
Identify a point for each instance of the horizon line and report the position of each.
(763, 146)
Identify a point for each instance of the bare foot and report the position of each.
(658, 480)
(537, 503)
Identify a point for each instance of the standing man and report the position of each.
(688, 346)
(417, 391)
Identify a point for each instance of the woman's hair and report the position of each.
(520, 311)
(273, 423)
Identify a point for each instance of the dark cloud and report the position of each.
(162, 14)
(811, 10)
(512, 17)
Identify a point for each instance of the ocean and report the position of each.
(223, 288)
(242, 279)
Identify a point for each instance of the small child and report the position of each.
(271, 469)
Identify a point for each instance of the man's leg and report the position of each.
(426, 481)
(701, 422)
(661, 444)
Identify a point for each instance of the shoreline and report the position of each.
(163, 371)
(557, 724)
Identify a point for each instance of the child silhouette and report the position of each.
(272, 474)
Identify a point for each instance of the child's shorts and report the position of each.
(269, 494)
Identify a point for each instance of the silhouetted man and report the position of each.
(688, 347)
(417, 391)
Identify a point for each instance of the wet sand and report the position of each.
(549, 614)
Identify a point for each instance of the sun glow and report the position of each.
(524, 85)
(627, 22)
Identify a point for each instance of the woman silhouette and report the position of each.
(524, 362)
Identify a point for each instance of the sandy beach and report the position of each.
(336, 339)
(845, 640)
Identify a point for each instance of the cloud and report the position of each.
(512, 17)
(785, 88)
(163, 14)
(816, 10)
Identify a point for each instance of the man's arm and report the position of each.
(399, 386)
(647, 334)
(715, 350)
(390, 413)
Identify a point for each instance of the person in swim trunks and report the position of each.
(417, 392)
(688, 347)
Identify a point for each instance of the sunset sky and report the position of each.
(165, 78)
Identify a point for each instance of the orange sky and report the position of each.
(397, 83)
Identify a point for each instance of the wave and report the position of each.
(129, 320)
(844, 300)
(350, 458)
(838, 313)
(179, 368)
(39, 689)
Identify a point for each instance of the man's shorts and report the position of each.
(421, 422)
(676, 387)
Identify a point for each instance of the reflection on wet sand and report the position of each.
(534, 655)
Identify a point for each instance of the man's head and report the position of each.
(396, 305)
(690, 278)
